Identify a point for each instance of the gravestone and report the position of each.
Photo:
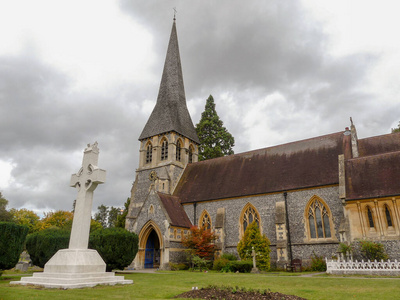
(78, 266)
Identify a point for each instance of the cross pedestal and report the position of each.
(79, 266)
(253, 254)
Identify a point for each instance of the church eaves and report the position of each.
(170, 112)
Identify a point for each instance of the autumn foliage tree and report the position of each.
(60, 218)
(200, 242)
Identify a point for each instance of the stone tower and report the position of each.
(168, 141)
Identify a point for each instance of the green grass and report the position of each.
(165, 285)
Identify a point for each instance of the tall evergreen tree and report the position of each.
(396, 129)
(215, 140)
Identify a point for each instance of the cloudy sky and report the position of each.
(74, 72)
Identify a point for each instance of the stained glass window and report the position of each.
(206, 221)
(388, 217)
(370, 218)
(250, 215)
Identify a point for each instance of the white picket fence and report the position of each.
(389, 268)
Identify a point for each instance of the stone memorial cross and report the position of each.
(86, 181)
(253, 253)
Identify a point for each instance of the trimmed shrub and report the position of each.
(42, 245)
(373, 251)
(229, 256)
(117, 246)
(253, 238)
(243, 266)
(12, 238)
(178, 266)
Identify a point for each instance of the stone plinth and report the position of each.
(69, 269)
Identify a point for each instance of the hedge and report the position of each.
(12, 238)
(117, 246)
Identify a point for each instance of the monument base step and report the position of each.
(72, 280)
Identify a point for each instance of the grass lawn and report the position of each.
(165, 285)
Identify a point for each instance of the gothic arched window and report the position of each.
(190, 154)
(319, 219)
(370, 217)
(149, 153)
(388, 216)
(178, 150)
(164, 149)
(248, 216)
(205, 220)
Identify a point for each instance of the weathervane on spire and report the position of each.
(175, 11)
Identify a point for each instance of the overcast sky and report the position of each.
(75, 72)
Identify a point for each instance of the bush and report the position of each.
(253, 239)
(42, 245)
(318, 263)
(373, 251)
(117, 246)
(241, 266)
(178, 267)
(12, 238)
(220, 263)
(229, 256)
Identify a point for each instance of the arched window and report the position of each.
(178, 150)
(164, 150)
(388, 216)
(370, 217)
(149, 153)
(205, 220)
(318, 217)
(190, 154)
(248, 216)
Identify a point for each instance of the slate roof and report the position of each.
(175, 211)
(307, 163)
(170, 112)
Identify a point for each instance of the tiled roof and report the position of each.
(175, 210)
(170, 112)
(307, 163)
(373, 176)
(379, 144)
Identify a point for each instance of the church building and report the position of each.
(306, 196)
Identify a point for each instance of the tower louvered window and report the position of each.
(164, 150)
(318, 220)
(149, 154)
(190, 154)
(178, 150)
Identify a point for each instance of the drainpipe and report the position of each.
(288, 229)
(194, 213)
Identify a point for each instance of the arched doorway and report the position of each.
(152, 252)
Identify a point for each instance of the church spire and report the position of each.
(170, 112)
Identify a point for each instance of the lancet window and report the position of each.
(205, 220)
(178, 150)
(249, 215)
(388, 216)
(370, 217)
(149, 153)
(164, 150)
(319, 219)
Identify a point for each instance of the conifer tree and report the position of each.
(253, 238)
(215, 140)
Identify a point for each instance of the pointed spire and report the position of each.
(170, 112)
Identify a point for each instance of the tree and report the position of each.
(113, 214)
(121, 218)
(60, 218)
(102, 215)
(215, 140)
(5, 215)
(200, 242)
(396, 129)
(12, 239)
(253, 238)
(25, 217)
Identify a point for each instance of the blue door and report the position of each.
(149, 254)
